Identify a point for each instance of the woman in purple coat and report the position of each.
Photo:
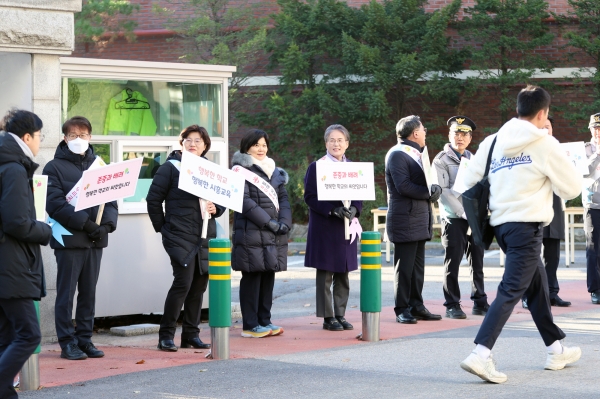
(327, 250)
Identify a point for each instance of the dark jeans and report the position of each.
(256, 298)
(409, 274)
(592, 248)
(19, 336)
(341, 291)
(523, 274)
(76, 269)
(457, 243)
(187, 290)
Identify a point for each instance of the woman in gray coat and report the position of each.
(260, 236)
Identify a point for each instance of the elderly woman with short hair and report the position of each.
(327, 250)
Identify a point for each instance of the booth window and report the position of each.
(143, 108)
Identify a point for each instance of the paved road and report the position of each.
(417, 366)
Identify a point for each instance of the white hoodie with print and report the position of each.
(527, 166)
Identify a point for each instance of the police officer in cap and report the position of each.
(456, 237)
(591, 202)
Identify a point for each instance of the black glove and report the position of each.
(101, 232)
(273, 225)
(89, 227)
(350, 212)
(283, 229)
(339, 212)
(436, 191)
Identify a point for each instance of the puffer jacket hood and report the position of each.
(63, 152)
(245, 160)
(516, 135)
(10, 151)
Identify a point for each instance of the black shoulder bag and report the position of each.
(475, 202)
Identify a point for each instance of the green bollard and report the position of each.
(29, 378)
(370, 284)
(219, 296)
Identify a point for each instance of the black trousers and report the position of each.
(76, 269)
(551, 256)
(409, 275)
(592, 248)
(187, 290)
(256, 298)
(341, 291)
(457, 243)
(523, 274)
(19, 336)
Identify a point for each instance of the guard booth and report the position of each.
(137, 109)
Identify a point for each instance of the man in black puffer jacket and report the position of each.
(409, 218)
(79, 254)
(21, 269)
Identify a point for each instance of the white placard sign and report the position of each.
(430, 173)
(340, 181)
(108, 183)
(212, 182)
(576, 154)
(459, 185)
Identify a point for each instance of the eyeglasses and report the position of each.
(42, 136)
(73, 136)
(195, 141)
(338, 141)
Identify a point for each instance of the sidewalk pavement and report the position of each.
(305, 347)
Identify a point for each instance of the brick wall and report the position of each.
(168, 48)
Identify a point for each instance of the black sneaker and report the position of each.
(596, 297)
(455, 312)
(480, 310)
(90, 350)
(72, 352)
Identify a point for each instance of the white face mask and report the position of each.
(78, 146)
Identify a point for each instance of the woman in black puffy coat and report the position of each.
(260, 237)
(181, 229)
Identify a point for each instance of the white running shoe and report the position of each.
(484, 369)
(558, 362)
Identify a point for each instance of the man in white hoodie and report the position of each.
(527, 165)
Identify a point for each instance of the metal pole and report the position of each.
(370, 284)
(29, 380)
(219, 338)
(219, 296)
(370, 326)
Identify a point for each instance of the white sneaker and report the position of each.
(558, 362)
(484, 369)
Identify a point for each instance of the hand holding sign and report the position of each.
(342, 181)
(212, 182)
(108, 183)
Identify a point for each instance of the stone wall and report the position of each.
(45, 30)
